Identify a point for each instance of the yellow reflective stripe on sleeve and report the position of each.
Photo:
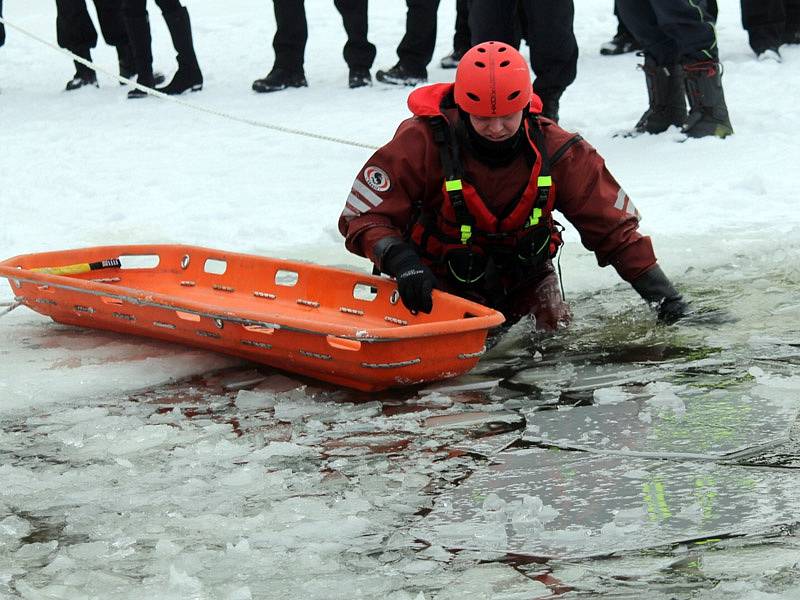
(545, 181)
(535, 216)
(466, 233)
(452, 185)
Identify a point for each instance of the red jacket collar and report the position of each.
(427, 101)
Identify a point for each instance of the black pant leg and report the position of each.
(168, 6)
(690, 25)
(74, 29)
(462, 38)
(291, 34)
(358, 52)
(492, 20)
(134, 8)
(640, 18)
(112, 25)
(764, 21)
(2, 26)
(554, 50)
(416, 48)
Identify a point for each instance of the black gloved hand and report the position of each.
(659, 292)
(415, 282)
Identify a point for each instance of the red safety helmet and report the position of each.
(492, 80)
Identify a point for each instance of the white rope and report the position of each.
(11, 306)
(190, 105)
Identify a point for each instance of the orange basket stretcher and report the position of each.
(331, 324)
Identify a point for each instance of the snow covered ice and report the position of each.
(138, 469)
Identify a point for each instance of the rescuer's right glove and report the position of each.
(415, 282)
(659, 292)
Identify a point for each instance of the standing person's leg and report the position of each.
(112, 26)
(492, 20)
(692, 29)
(764, 22)
(188, 77)
(289, 43)
(791, 32)
(137, 23)
(462, 38)
(359, 53)
(2, 26)
(416, 48)
(76, 33)
(663, 76)
(554, 50)
(622, 42)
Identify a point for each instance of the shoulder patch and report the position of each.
(377, 179)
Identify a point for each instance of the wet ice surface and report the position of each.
(248, 483)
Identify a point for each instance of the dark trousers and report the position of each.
(766, 20)
(138, 8)
(462, 38)
(2, 27)
(291, 34)
(547, 29)
(74, 28)
(672, 31)
(416, 48)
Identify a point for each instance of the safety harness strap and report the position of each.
(545, 180)
(448, 150)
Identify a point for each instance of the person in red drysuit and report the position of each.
(462, 199)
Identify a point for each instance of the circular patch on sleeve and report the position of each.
(377, 179)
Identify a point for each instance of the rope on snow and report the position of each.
(190, 105)
(10, 306)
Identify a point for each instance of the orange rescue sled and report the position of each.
(331, 324)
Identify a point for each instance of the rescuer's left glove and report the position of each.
(658, 291)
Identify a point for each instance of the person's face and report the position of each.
(497, 129)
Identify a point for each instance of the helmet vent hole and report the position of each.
(505, 63)
(481, 49)
(473, 97)
(480, 64)
(501, 49)
(513, 95)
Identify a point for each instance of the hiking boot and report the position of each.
(622, 43)
(188, 76)
(280, 79)
(400, 75)
(451, 60)
(359, 78)
(83, 75)
(80, 80)
(666, 95)
(708, 114)
(769, 55)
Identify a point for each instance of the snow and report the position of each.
(288, 491)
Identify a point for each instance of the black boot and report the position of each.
(708, 114)
(188, 76)
(139, 35)
(83, 75)
(359, 77)
(280, 79)
(666, 95)
(402, 75)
